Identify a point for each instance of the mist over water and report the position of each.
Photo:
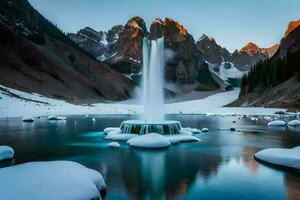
(153, 69)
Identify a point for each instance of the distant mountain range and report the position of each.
(186, 58)
(93, 66)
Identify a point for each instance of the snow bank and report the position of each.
(6, 152)
(175, 139)
(59, 180)
(294, 123)
(120, 137)
(151, 140)
(277, 123)
(113, 145)
(14, 107)
(281, 156)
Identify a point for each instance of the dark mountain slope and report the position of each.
(35, 56)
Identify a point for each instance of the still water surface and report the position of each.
(220, 166)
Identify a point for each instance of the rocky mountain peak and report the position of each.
(136, 26)
(292, 26)
(250, 47)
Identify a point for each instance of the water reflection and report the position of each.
(221, 166)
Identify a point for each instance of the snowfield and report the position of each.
(281, 156)
(42, 106)
(60, 180)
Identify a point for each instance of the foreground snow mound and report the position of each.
(294, 123)
(120, 137)
(281, 156)
(151, 140)
(6, 152)
(175, 139)
(277, 123)
(59, 180)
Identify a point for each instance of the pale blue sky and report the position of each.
(232, 23)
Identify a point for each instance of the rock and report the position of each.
(6, 152)
(277, 123)
(232, 129)
(204, 129)
(294, 123)
(113, 145)
(28, 119)
(151, 140)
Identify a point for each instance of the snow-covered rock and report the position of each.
(151, 140)
(59, 180)
(204, 129)
(294, 123)
(113, 145)
(28, 119)
(6, 152)
(56, 118)
(110, 129)
(175, 139)
(120, 136)
(193, 130)
(277, 123)
(281, 156)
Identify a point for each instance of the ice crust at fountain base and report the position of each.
(152, 135)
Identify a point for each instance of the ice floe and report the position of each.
(60, 180)
(113, 145)
(6, 152)
(175, 139)
(277, 123)
(281, 156)
(120, 137)
(294, 123)
(111, 129)
(56, 118)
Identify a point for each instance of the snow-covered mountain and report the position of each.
(96, 42)
(242, 59)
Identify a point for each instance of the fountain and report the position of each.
(153, 117)
(153, 120)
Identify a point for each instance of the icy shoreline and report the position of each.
(42, 106)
